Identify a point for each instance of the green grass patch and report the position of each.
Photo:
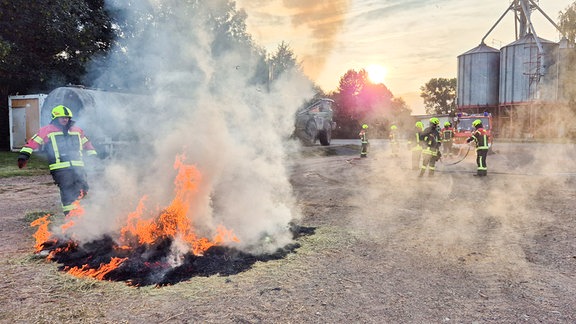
(37, 165)
(32, 216)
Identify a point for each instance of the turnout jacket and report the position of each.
(65, 147)
(431, 138)
(480, 138)
(363, 137)
(447, 134)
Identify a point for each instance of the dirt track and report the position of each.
(388, 247)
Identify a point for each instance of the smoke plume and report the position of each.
(321, 20)
(201, 105)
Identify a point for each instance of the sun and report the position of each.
(376, 73)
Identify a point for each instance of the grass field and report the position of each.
(9, 168)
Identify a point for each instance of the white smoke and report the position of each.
(201, 105)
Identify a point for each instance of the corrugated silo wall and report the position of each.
(478, 77)
(478, 81)
(528, 96)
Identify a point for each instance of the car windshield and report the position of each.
(465, 124)
(320, 106)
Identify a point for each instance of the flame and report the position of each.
(75, 213)
(42, 235)
(103, 269)
(174, 220)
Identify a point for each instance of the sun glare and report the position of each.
(376, 73)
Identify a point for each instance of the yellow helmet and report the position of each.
(61, 111)
(364, 126)
(419, 124)
(476, 122)
(434, 121)
(447, 124)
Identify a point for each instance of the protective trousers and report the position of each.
(447, 147)
(395, 145)
(482, 168)
(73, 185)
(363, 146)
(429, 157)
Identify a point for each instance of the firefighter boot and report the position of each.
(431, 173)
(422, 171)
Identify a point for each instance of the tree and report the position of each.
(44, 44)
(281, 61)
(567, 22)
(47, 44)
(439, 95)
(359, 101)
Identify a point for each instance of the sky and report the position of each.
(414, 40)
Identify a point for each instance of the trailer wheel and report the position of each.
(311, 132)
(325, 136)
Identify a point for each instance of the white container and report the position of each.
(24, 115)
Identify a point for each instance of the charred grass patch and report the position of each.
(153, 264)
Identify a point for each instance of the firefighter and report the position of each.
(394, 144)
(430, 153)
(364, 141)
(65, 145)
(447, 135)
(480, 138)
(416, 148)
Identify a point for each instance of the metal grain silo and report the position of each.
(478, 77)
(524, 69)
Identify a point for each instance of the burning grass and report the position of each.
(151, 264)
(151, 250)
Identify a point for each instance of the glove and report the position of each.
(22, 163)
(22, 160)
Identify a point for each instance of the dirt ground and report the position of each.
(388, 247)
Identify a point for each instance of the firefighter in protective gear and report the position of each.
(430, 153)
(363, 141)
(480, 139)
(66, 146)
(394, 144)
(416, 148)
(447, 135)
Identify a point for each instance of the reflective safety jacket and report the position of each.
(480, 138)
(64, 149)
(363, 137)
(447, 134)
(417, 139)
(431, 138)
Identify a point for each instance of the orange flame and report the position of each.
(99, 273)
(173, 220)
(42, 235)
(75, 213)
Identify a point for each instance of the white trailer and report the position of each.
(24, 115)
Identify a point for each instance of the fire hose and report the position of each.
(462, 159)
